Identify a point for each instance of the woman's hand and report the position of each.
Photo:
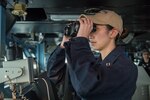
(86, 26)
(65, 39)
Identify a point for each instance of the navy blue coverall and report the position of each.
(114, 78)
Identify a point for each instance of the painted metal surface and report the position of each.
(2, 31)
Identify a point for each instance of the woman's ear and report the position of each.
(113, 33)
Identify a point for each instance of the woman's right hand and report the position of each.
(86, 26)
(65, 39)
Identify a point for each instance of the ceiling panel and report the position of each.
(135, 13)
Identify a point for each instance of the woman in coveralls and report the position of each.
(110, 77)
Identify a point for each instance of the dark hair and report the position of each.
(109, 27)
(124, 34)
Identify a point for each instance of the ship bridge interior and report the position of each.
(30, 30)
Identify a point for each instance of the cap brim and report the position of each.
(92, 17)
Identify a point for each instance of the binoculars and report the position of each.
(72, 29)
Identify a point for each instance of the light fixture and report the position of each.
(19, 9)
(64, 17)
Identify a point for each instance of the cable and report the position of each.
(47, 88)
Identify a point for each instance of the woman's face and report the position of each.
(100, 38)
